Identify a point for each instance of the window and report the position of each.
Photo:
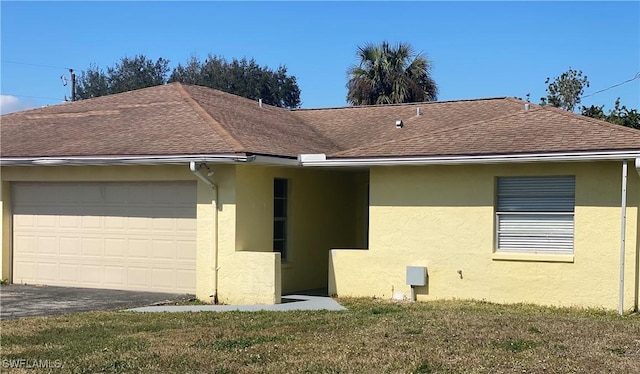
(535, 214)
(280, 202)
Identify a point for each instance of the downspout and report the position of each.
(636, 307)
(195, 169)
(623, 224)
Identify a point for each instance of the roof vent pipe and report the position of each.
(526, 107)
(260, 103)
(418, 112)
(399, 124)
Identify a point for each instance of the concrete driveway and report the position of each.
(17, 300)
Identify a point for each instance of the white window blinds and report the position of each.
(535, 214)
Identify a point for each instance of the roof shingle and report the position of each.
(178, 119)
(539, 130)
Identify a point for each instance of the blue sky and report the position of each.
(478, 49)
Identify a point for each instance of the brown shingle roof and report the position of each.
(352, 127)
(151, 121)
(539, 130)
(173, 119)
(268, 130)
(178, 119)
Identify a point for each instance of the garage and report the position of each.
(115, 235)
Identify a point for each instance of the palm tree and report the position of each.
(390, 74)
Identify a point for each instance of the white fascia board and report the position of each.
(130, 160)
(274, 161)
(312, 157)
(489, 159)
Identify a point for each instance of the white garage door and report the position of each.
(129, 236)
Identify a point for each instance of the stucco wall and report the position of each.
(5, 223)
(443, 218)
(323, 214)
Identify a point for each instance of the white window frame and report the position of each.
(535, 214)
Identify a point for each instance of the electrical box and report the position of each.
(416, 275)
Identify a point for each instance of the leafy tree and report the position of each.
(565, 91)
(138, 72)
(241, 77)
(129, 74)
(620, 115)
(191, 73)
(390, 74)
(92, 83)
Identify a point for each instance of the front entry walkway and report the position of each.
(289, 302)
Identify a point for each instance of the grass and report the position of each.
(372, 336)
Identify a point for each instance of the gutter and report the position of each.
(623, 224)
(148, 160)
(271, 160)
(321, 159)
(195, 169)
(636, 302)
(129, 160)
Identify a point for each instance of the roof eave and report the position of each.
(318, 160)
(123, 160)
(149, 160)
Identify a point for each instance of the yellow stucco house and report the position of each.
(183, 188)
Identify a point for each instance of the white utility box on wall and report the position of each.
(416, 276)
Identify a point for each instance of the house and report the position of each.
(187, 189)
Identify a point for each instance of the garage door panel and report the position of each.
(141, 196)
(137, 277)
(26, 243)
(115, 194)
(47, 245)
(138, 249)
(115, 248)
(47, 222)
(69, 246)
(99, 235)
(91, 220)
(115, 223)
(115, 275)
(67, 196)
(69, 273)
(24, 270)
(141, 222)
(186, 252)
(163, 224)
(92, 247)
(91, 274)
(164, 250)
(185, 278)
(187, 226)
(47, 270)
(31, 195)
(90, 194)
(68, 221)
(162, 278)
(161, 195)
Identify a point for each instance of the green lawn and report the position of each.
(373, 336)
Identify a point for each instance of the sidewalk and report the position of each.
(289, 302)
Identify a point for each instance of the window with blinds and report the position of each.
(535, 214)
(280, 208)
